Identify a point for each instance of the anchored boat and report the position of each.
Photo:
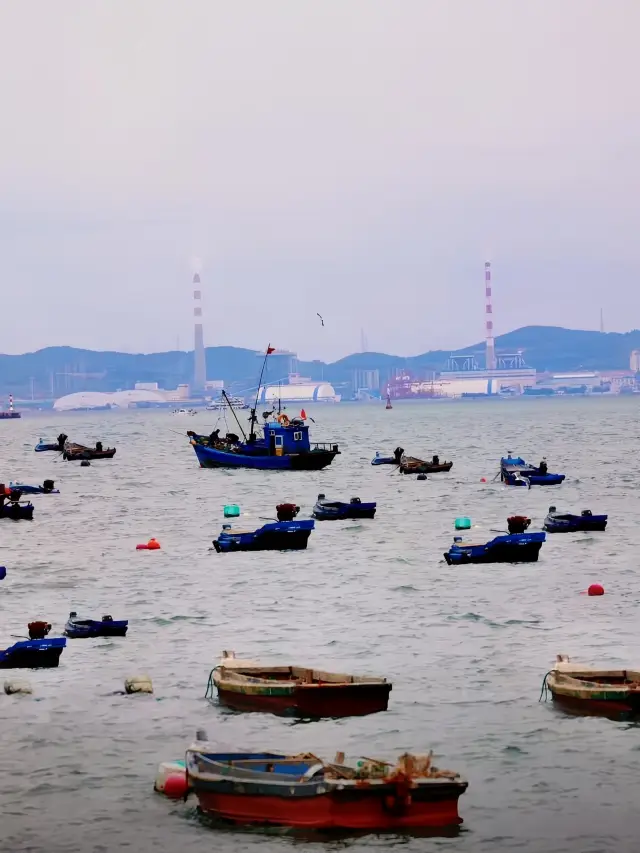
(522, 547)
(305, 791)
(412, 465)
(514, 471)
(33, 654)
(594, 690)
(47, 488)
(273, 536)
(558, 522)
(14, 509)
(58, 445)
(296, 691)
(105, 627)
(325, 510)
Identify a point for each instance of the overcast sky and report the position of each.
(357, 158)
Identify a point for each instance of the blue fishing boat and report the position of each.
(378, 459)
(43, 446)
(105, 627)
(508, 548)
(325, 510)
(33, 654)
(558, 522)
(47, 488)
(284, 446)
(16, 511)
(273, 536)
(514, 471)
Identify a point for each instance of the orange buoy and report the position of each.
(153, 544)
(595, 589)
(175, 786)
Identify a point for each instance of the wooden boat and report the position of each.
(33, 654)
(296, 691)
(305, 791)
(73, 452)
(593, 690)
(412, 465)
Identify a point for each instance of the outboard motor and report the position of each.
(518, 523)
(586, 512)
(552, 509)
(107, 618)
(287, 512)
(356, 501)
(38, 630)
(48, 485)
(15, 495)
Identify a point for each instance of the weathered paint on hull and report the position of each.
(313, 701)
(597, 707)
(357, 809)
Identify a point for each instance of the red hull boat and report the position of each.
(304, 792)
(296, 691)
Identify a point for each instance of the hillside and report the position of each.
(49, 372)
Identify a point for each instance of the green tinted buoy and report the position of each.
(231, 511)
(463, 523)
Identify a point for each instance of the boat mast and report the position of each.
(233, 412)
(253, 420)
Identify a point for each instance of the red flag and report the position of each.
(303, 414)
(270, 349)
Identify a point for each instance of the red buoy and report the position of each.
(175, 786)
(483, 479)
(595, 589)
(153, 545)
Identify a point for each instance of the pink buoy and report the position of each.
(595, 589)
(144, 547)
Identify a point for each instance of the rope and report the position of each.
(209, 693)
(545, 689)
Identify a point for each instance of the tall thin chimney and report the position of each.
(490, 345)
(200, 364)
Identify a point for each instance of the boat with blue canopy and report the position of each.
(325, 510)
(105, 627)
(514, 471)
(33, 654)
(566, 522)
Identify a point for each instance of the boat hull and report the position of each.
(314, 460)
(600, 707)
(426, 468)
(33, 654)
(384, 460)
(514, 548)
(353, 810)
(575, 524)
(17, 512)
(311, 702)
(276, 536)
(534, 480)
(34, 490)
(10, 416)
(96, 629)
(88, 453)
(43, 448)
(343, 511)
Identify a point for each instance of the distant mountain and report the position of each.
(55, 371)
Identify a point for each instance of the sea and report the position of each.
(467, 648)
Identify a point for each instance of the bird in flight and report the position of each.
(321, 320)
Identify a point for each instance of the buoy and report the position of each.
(85, 463)
(175, 786)
(421, 477)
(138, 684)
(462, 523)
(483, 479)
(231, 511)
(595, 589)
(3, 572)
(168, 770)
(153, 545)
(17, 686)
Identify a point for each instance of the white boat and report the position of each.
(184, 412)
(219, 405)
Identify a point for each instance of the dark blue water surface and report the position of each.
(466, 648)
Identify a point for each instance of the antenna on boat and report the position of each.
(233, 412)
(253, 419)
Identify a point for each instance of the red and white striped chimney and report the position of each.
(490, 357)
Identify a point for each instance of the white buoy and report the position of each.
(138, 684)
(17, 686)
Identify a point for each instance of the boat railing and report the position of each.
(324, 445)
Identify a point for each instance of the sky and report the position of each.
(357, 158)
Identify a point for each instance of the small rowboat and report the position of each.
(305, 791)
(273, 536)
(558, 522)
(510, 548)
(590, 690)
(325, 510)
(106, 627)
(412, 465)
(73, 452)
(47, 488)
(296, 691)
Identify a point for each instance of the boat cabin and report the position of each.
(284, 440)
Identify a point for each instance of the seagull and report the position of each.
(321, 320)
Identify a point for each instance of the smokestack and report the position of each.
(200, 364)
(490, 345)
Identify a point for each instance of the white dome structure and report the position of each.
(312, 392)
(99, 400)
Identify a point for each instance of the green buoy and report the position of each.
(463, 523)
(231, 511)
